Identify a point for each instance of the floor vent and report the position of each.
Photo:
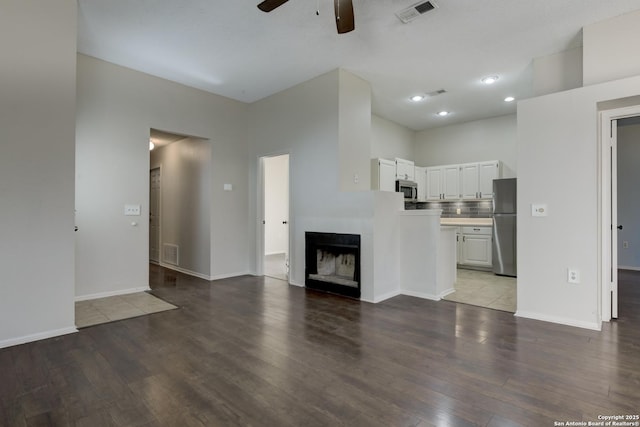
(412, 12)
(170, 253)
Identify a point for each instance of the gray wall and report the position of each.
(629, 195)
(37, 126)
(304, 122)
(558, 164)
(185, 201)
(116, 108)
(390, 140)
(489, 139)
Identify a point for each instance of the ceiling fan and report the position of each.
(343, 10)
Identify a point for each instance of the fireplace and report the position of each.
(332, 263)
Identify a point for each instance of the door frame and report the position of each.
(607, 201)
(260, 213)
(159, 167)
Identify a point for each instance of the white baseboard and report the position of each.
(227, 275)
(295, 284)
(111, 293)
(420, 295)
(275, 253)
(185, 271)
(447, 292)
(560, 320)
(383, 297)
(626, 267)
(204, 276)
(37, 337)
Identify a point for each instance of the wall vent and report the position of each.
(412, 12)
(170, 253)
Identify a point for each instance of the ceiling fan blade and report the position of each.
(269, 5)
(344, 16)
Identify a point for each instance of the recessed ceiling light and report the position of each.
(151, 145)
(443, 113)
(417, 98)
(489, 80)
(509, 99)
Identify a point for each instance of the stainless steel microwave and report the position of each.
(408, 188)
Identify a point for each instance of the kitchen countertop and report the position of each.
(486, 222)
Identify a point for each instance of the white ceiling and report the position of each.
(231, 48)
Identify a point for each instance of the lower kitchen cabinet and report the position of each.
(474, 246)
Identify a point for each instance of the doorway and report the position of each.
(617, 201)
(275, 253)
(154, 215)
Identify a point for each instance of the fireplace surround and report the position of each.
(332, 263)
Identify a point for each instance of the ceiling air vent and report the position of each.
(412, 12)
(436, 93)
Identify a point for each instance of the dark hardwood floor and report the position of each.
(255, 351)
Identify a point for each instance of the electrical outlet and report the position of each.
(539, 210)
(356, 178)
(573, 276)
(132, 210)
(625, 244)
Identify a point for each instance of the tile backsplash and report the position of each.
(468, 208)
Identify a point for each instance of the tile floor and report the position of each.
(485, 289)
(103, 310)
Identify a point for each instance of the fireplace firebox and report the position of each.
(332, 263)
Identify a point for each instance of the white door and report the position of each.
(614, 218)
(154, 215)
(276, 216)
(609, 207)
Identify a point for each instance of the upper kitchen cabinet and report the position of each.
(383, 175)
(421, 180)
(405, 169)
(443, 183)
(476, 179)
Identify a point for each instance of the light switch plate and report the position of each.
(132, 210)
(227, 187)
(539, 210)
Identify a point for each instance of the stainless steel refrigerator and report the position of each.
(505, 226)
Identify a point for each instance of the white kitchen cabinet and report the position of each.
(443, 182)
(487, 172)
(421, 180)
(476, 179)
(405, 169)
(475, 249)
(469, 180)
(383, 175)
(458, 245)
